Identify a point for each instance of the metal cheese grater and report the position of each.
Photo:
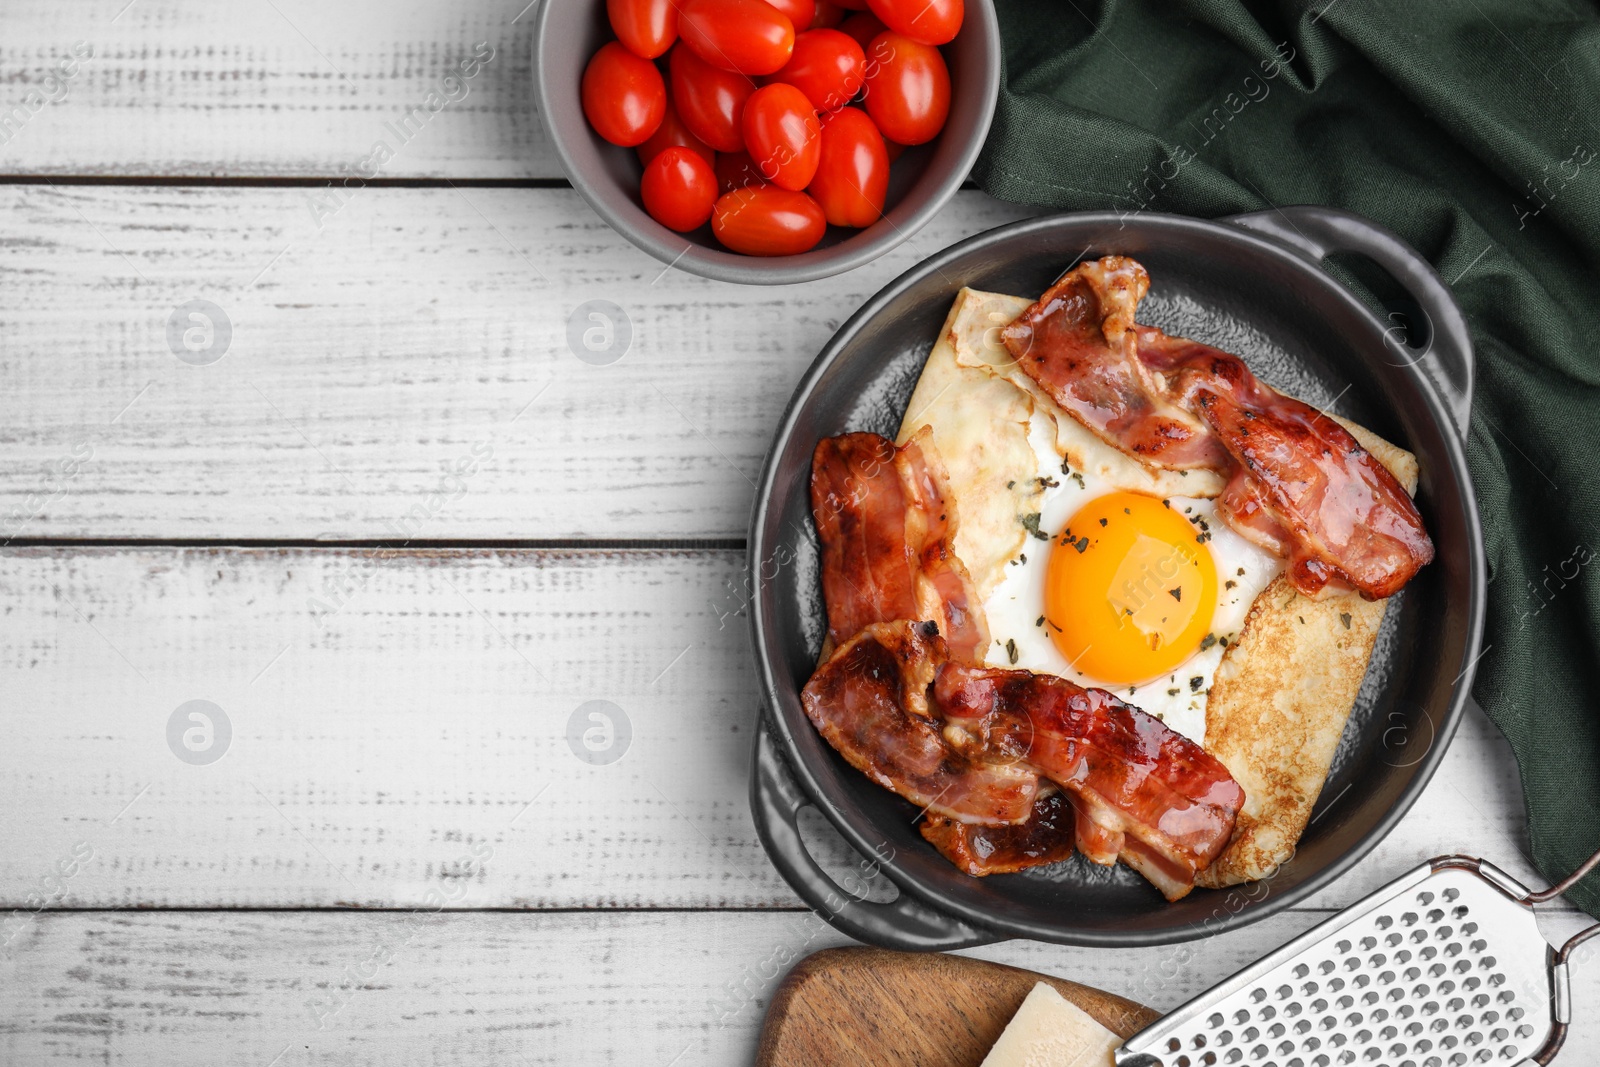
(1443, 967)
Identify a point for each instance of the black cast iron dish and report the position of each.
(1252, 284)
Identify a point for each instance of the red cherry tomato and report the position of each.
(780, 133)
(768, 221)
(926, 21)
(800, 13)
(645, 27)
(736, 170)
(624, 97)
(710, 101)
(908, 89)
(671, 132)
(746, 36)
(853, 172)
(828, 16)
(863, 26)
(679, 188)
(828, 66)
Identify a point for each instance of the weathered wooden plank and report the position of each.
(388, 716)
(360, 363)
(287, 88)
(420, 988)
(400, 725)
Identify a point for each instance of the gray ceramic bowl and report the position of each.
(922, 180)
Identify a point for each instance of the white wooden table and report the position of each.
(399, 858)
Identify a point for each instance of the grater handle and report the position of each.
(1559, 888)
(1558, 1033)
(1566, 883)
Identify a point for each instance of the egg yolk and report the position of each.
(1130, 589)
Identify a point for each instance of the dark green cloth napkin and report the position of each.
(1471, 128)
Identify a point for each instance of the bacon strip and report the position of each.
(888, 526)
(974, 753)
(869, 701)
(981, 850)
(1078, 343)
(1302, 486)
(1131, 777)
(1099, 844)
(1299, 483)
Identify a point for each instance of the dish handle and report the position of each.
(1445, 351)
(905, 923)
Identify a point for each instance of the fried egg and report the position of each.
(1144, 604)
(1116, 588)
(1270, 682)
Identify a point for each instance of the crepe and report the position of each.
(1282, 691)
(980, 430)
(1280, 700)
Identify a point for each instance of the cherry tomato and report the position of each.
(800, 13)
(828, 16)
(746, 36)
(710, 101)
(671, 132)
(768, 221)
(736, 170)
(908, 89)
(645, 27)
(853, 171)
(925, 21)
(679, 188)
(624, 97)
(863, 26)
(780, 133)
(828, 66)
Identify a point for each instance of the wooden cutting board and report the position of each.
(898, 1009)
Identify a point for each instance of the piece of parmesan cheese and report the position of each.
(1051, 1031)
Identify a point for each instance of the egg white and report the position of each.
(1017, 604)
